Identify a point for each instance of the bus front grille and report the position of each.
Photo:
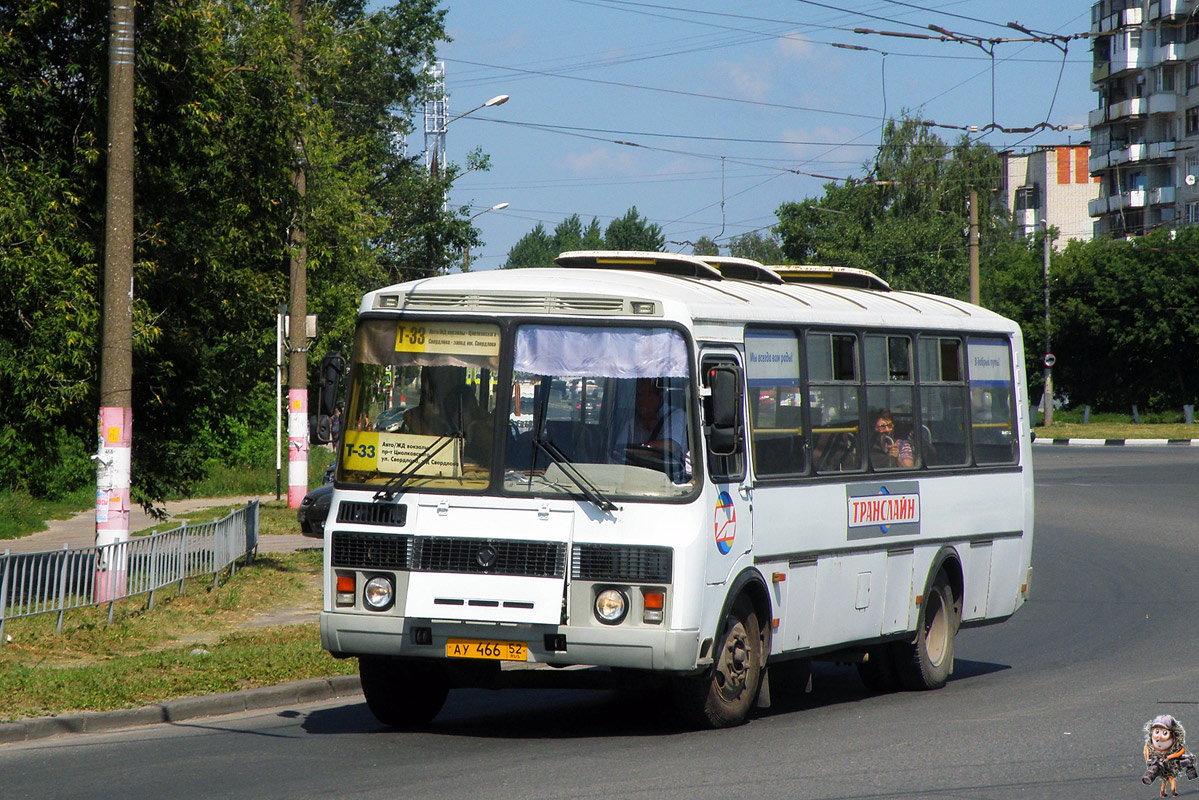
(372, 513)
(603, 562)
(370, 550)
(489, 557)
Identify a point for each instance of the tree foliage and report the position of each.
(907, 222)
(758, 246)
(633, 232)
(538, 248)
(222, 123)
(1124, 319)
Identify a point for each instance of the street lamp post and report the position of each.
(432, 255)
(439, 144)
(466, 249)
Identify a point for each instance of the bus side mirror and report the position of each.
(333, 366)
(724, 422)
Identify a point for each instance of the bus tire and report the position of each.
(927, 662)
(402, 694)
(878, 672)
(723, 695)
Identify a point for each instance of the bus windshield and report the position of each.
(421, 408)
(607, 407)
(593, 411)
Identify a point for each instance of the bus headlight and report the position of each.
(611, 606)
(379, 593)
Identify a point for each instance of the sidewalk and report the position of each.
(80, 529)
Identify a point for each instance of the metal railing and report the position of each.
(57, 581)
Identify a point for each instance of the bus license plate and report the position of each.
(485, 648)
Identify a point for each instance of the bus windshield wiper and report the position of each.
(586, 487)
(411, 469)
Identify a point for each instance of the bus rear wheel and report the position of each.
(402, 694)
(723, 695)
(927, 662)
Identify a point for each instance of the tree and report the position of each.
(761, 247)
(538, 249)
(534, 249)
(705, 246)
(1126, 321)
(218, 112)
(633, 232)
(906, 222)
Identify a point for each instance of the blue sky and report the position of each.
(720, 103)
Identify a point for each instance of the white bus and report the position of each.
(676, 469)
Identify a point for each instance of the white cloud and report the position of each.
(793, 48)
(601, 161)
(749, 79)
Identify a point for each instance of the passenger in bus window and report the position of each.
(887, 451)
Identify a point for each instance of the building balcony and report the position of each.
(1100, 73)
(1168, 53)
(1133, 199)
(1162, 196)
(1126, 60)
(1097, 163)
(1132, 107)
(1128, 18)
(1167, 8)
(1097, 207)
(1163, 103)
(1026, 218)
(1158, 150)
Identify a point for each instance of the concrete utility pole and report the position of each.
(115, 423)
(297, 366)
(1047, 399)
(974, 295)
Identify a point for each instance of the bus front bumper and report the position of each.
(357, 634)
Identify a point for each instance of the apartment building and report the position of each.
(1145, 132)
(1053, 184)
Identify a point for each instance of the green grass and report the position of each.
(21, 514)
(145, 656)
(1114, 430)
(223, 480)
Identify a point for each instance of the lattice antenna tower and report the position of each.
(435, 118)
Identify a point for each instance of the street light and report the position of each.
(439, 142)
(498, 100)
(496, 207)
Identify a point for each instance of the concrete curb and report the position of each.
(187, 708)
(1120, 442)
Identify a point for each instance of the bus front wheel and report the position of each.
(927, 662)
(723, 695)
(402, 694)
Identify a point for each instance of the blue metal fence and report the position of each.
(57, 581)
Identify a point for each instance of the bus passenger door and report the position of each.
(725, 454)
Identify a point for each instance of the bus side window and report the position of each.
(942, 402)
(724, 468)
(772, 365)
(992, 401)
(837, 442)
(890, 398)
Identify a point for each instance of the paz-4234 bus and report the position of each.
(700, 471)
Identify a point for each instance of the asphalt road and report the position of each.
(1048, 705)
